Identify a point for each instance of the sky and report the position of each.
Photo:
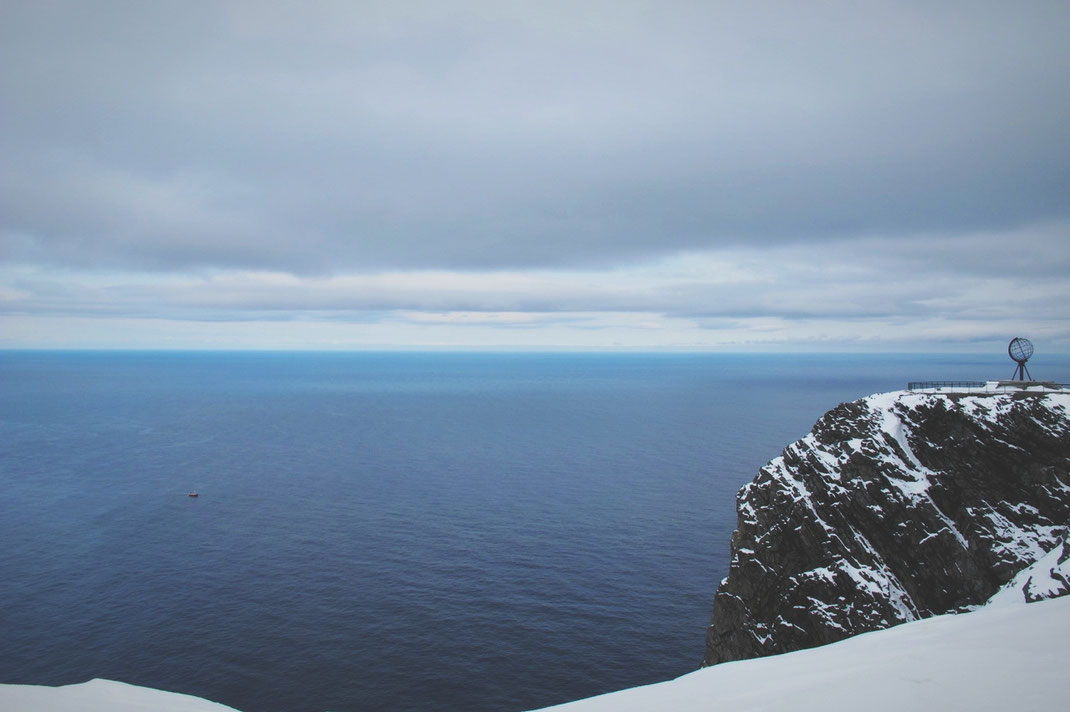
(625, 175)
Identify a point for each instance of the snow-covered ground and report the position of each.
(100, 696)
(998, 658)
(1003, 657)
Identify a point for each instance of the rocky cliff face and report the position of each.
(895, 507)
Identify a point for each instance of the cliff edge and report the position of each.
(896, 507)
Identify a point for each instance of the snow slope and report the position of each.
(100, 696)
(998, 658)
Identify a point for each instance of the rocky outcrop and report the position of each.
(896, 507)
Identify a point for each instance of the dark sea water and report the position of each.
(437, 531)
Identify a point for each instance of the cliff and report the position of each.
(895, 507)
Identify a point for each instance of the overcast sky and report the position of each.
(748, 176)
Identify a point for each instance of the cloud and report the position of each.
(341, 137)
(877, 293)
(678, 175)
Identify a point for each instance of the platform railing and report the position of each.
(927, 385)
(989, 386)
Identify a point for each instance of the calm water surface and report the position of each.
(477, 532)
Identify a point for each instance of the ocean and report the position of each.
(407, 531)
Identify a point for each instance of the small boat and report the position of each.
(194, 494)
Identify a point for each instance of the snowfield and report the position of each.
(100, 696)
(998, 658)
(1003, 657)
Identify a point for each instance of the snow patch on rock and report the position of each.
(1048, 578)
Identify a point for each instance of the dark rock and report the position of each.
(895, 507)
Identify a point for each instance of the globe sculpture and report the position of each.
(1020, 350)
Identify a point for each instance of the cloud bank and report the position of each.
(693, 165)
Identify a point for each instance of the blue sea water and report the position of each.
(404, 531)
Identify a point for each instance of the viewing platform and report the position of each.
(983, 387)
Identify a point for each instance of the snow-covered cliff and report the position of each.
(896, 507)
